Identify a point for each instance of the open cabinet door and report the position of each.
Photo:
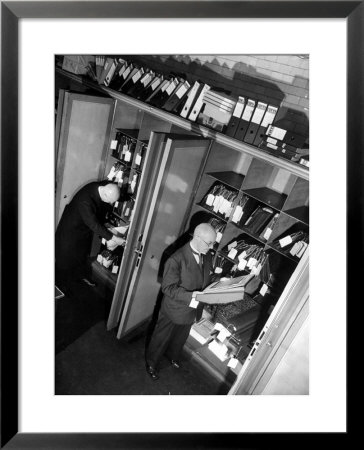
(167, 188)
(82, 133)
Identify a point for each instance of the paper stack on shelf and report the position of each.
(201, 330)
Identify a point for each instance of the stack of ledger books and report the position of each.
(225, 290)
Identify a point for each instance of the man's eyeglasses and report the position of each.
(209, 244)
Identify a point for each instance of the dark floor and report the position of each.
(90, 360)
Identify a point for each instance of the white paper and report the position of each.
(113, 144)
(285, 241)
(210, 200)
(232, 253)
(127, 155)
(224, 333)
(138, 159)
(242, 264)
(194, 303)
(263, 290)
(267, 233)
(233, 362)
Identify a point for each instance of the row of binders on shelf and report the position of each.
(245, 119)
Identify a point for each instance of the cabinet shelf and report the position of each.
(300, 213)
(285, 254)
(126, 164)
(268, 197)
(212, 212)
(244, 230)
(201, 130)
(232, 179)
(132, 133)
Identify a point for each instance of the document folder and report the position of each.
(226, 290)
(233, 123)
(245, 120)
(267, 120)
(255, 122)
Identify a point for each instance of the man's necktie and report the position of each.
(200, 259)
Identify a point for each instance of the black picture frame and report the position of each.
(11, 12)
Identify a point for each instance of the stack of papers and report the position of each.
(228, 284)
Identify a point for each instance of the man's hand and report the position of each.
(118, 240)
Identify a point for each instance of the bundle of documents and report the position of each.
(227, 284)
(201, 330)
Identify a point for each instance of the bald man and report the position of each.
(81, 218)
(188, 270)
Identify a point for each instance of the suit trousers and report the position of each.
(168, 339)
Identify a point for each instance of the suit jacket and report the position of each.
(182, 275)
(82, 217)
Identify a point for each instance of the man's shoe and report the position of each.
(152, 373)
(175, 364)
(89, 282)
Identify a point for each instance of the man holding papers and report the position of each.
(188, 270)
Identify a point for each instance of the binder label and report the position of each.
(218, 236)
(155, 83)
(239, 107)
(136, 77)
(232, 245)
(218, 269)
(116, 204)
(171, 88)
(263, 290)
(269, 116)
(285, 241)
(248, 111)
(114, 144)
(114, 269)
(99, 259)
(275, 132)
(232, 253)
(181, 91)
(259, 113)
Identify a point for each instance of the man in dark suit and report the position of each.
(81, 218)
(187, 271)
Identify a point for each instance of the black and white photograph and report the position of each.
(182, 224)
(176, 264)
